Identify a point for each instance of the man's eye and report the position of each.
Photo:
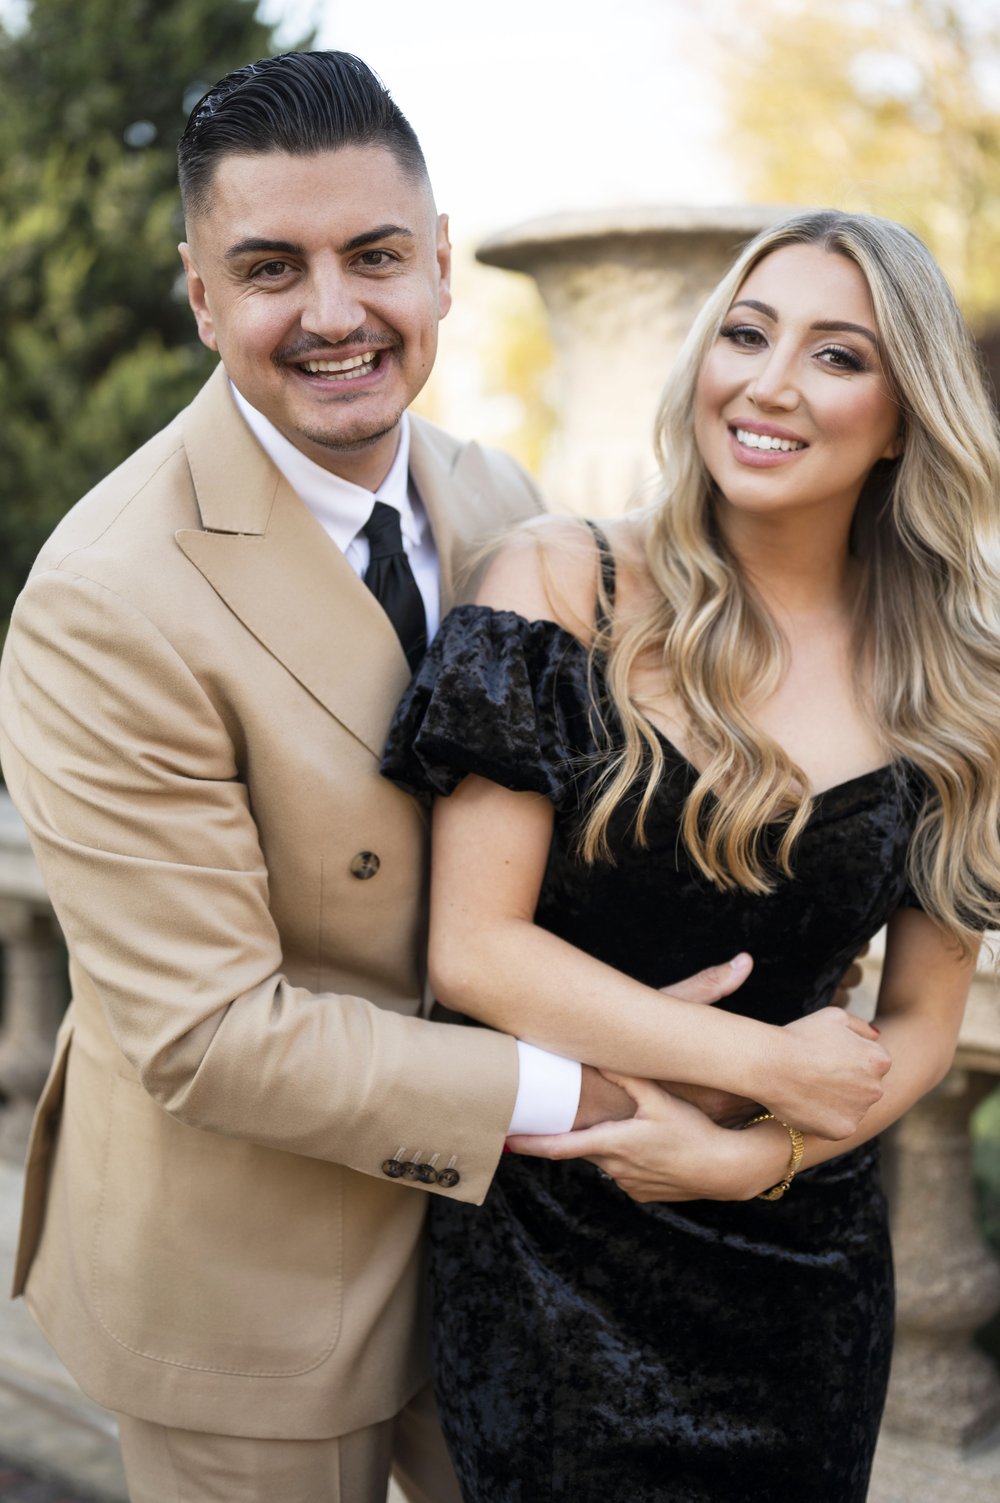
(270, 269)
(375, 258)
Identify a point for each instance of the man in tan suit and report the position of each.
(221, 1233)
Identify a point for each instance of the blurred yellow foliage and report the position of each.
(492, 378)
(890, 106)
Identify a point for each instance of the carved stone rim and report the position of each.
(553, 236)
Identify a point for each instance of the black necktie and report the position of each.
(391, 581)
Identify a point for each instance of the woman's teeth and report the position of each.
(767, 441)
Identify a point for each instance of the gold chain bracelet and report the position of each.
(798, 1144)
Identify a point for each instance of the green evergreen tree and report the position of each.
(98, 344)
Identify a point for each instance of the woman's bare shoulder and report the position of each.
(546, 570)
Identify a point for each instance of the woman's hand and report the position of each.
(827, 1073)
(670, 1151)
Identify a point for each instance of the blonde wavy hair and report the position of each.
(926, 535)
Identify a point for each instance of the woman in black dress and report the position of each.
(764, 712)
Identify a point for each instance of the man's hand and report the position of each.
(600, 1101)
(709, 986)
(852, 977)
(603, 1101)
(670, 1151)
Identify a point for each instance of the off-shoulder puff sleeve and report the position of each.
(500, 696)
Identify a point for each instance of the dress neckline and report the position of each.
(874, 773)
(859, 777)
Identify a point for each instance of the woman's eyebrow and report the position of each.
(825, 326)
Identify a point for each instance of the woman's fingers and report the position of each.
(583, 1144)
(864, 1030)
(645, 1093)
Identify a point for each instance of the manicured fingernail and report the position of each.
(507, 1148)
(874, 1029)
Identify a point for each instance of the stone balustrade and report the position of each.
(941, 1434)
(33, 996)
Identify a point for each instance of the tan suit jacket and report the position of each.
(194, 696)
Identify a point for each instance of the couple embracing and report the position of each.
(253, 667)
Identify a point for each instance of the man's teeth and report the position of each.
(344, 370)
(767, 441)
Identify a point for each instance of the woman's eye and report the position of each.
(843, 359)
(743, 334)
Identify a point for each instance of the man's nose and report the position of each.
(331, 308)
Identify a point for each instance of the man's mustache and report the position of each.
(303, 348)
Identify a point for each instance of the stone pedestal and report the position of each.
(621, 291)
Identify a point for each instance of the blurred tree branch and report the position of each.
(99, 345)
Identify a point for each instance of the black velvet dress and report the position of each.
(591, 1350)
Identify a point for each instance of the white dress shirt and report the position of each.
(548, 1091)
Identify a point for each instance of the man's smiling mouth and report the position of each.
(344, 370)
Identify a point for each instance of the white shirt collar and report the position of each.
(341, 507)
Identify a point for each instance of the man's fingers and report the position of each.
(852, 977)
(715, 982)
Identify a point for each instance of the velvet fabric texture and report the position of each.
(588, 1349)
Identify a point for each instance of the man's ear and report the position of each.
(443, 252)
(198, 298)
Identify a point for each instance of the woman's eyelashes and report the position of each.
(838, 356)
(743, 334)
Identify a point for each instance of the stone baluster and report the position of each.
(948, 1283)
(34, 998)
(32, 982)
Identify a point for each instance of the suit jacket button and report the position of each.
(448, 1177)
(394, 1168)
(364, 865)
(425, 1174)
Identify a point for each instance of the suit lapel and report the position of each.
(268, 558)
(455, 486)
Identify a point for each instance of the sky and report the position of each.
(528, 107)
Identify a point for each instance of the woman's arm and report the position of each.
(671, 1151)
(490, 960)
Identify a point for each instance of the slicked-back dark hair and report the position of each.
(300, 102)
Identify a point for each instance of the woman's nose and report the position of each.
(774, 383)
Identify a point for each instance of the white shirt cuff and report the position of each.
(548, 1091)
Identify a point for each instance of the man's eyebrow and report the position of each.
(369, 237)
(825, 326)
(253, 244)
